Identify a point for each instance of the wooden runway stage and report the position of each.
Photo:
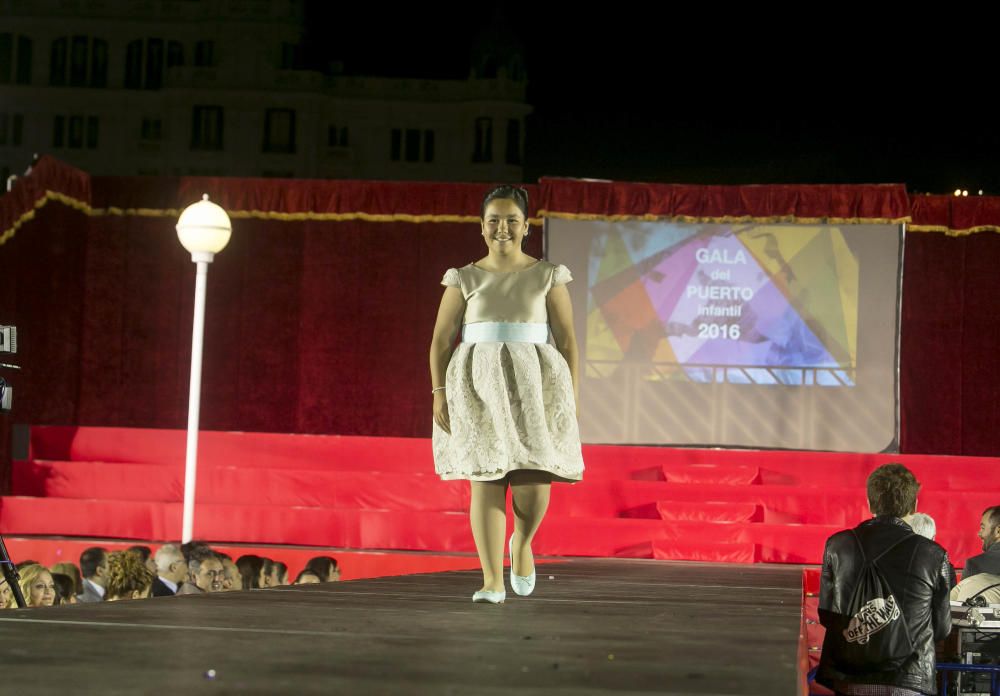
(595, 627)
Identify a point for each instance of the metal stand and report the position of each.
(10, 575)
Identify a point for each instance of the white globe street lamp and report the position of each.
(204, 230)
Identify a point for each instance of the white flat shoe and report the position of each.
(489, 597)
(523, 585)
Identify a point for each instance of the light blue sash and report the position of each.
(505, 332)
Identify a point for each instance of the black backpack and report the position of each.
(872, 635)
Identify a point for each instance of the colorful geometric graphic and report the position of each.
(750, 304)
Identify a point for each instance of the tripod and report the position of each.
(10, 575)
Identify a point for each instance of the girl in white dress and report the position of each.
(505, 399)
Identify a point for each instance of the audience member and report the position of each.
(128, 577)
(65, 589)
(307, 577)
(989, 533)
(70, 570)
(146, 555)
(250, 569)
(6, 595)
(233, 581)
(325, 567)
(266, 572)
(37, 586)
(885, 646)
(205, 572)
(94, 569)
(171, 570)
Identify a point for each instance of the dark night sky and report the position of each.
(657, 98)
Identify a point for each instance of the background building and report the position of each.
(217, 87)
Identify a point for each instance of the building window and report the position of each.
(75, 138)
(99, 63)
(57, 62)
(16, 129)
(279, 130)
(23, 60)
(92, 132)
(428, 146)
(396, 145)
(75, 131)
(483, 151)
(175, 54)
(204, 54)
(152, 129)
(78, 62)
(206, 128)
(289, 56)
(16, 66)
(58, 131)
(513, 141)
(11, 129)
(154, 63)
(336, 137)
(412, 145)
(80, 57)
(6, 58)
(133, 65)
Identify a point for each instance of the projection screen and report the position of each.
(735, 335)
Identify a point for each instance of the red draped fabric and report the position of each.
(320, 311)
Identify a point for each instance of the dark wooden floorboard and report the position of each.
(595, 627)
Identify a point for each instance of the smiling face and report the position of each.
(504, 226)
(989, 533)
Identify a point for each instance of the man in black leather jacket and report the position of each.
(917, 571)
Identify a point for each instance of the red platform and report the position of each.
(381, 493)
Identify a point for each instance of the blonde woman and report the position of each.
(128, 577)
(37, 586)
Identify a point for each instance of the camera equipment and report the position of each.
(8, 344)
(9, 572)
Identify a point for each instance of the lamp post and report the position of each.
(204, 230)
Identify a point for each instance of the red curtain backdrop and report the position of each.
(320, 310)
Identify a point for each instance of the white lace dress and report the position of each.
(510, 402)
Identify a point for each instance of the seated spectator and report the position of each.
(250, 567)
(282, 573)
(307, 577)
(146, 555)
(275, 573)
(233, 581)
(205, 572)
(70, 570)
(989, 533)
(94, 569)
(266, 572)
(37, 586)
(190, 546)
(6, 595)
(325, 567)
(128, 577)
(65, 589)
(985, 585)
(171, 570)
(867, 649)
